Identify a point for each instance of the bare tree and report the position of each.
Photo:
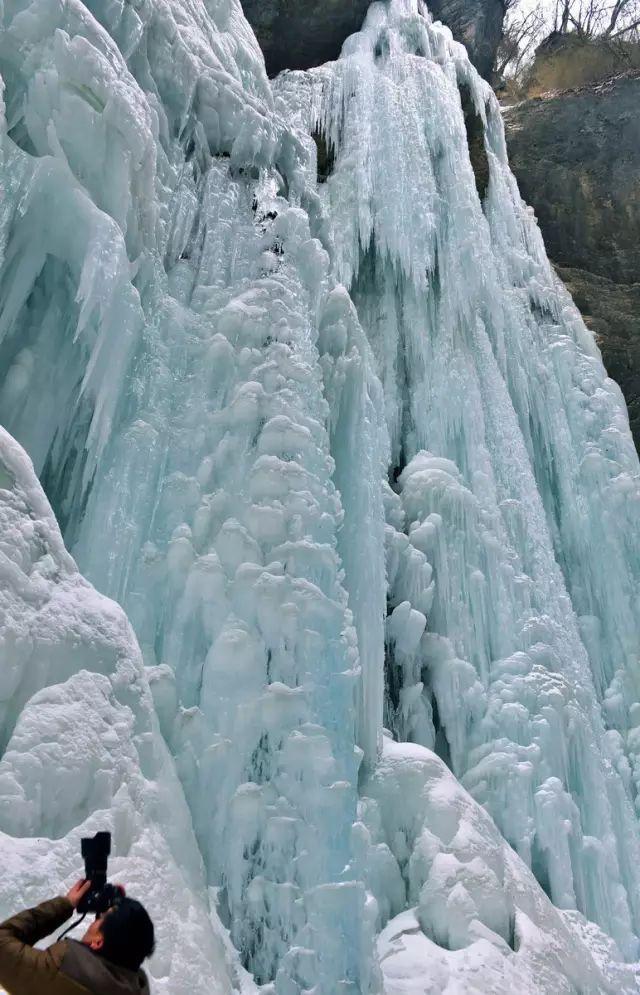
(561, 19)
(522, 30)
(597, 18)
(626, 11)
(525, 26)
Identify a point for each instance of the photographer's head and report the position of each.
(123, 935)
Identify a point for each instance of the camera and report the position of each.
(101, 896)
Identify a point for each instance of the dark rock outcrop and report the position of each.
(298, 34)
(576, 156)
(477, 24)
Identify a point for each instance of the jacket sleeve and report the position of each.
(24, 970)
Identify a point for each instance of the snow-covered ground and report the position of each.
(345, 454)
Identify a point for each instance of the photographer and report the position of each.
(106, 962)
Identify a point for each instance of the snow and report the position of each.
(347, 457)
(477, 920)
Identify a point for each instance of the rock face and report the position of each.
(576, 156)
(477, 24)
(299, 34)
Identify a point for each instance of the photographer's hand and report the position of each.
(77, 893)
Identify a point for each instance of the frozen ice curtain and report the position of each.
(308, 401)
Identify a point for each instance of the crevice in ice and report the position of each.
(19, 134)
(262, 217)
(540, 867)
(474, 127)
(441, 745)
(379, 308)
(395, 470)
(393, 683)
(325, 155)
(543, 311)
(260, 766)
(382, 47)
(62, 475)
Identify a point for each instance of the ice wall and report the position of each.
(82, 750)
(338, 442)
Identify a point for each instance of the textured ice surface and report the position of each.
(82, 749)
(346, 455)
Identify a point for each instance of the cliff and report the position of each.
(298, 34)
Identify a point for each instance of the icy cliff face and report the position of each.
(347, 457)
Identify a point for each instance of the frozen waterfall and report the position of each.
(308, 401)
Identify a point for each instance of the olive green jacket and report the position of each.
(66, 968)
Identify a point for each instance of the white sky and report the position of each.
(547, 5)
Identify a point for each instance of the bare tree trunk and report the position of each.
(619, 8)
